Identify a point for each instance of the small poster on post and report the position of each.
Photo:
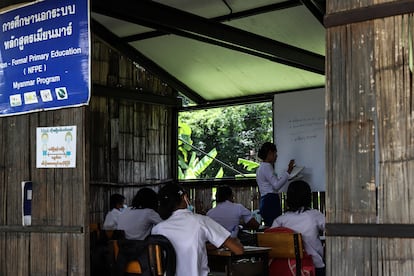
(56, 147)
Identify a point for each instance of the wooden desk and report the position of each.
(254, 261)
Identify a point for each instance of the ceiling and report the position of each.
(221, 50)
(216, 51)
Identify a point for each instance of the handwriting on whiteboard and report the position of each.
(306, 128)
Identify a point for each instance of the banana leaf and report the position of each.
(249, 165)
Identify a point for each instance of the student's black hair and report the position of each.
(170, 197)
(264, 150)
(116, 199)
(145, 198)
(223, 193)
(299, 196)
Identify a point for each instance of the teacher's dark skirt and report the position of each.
(270, 208)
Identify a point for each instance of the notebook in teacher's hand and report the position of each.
(296, 170)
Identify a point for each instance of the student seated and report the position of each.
(230, 214)
(302, 219)
(189, 232)
(138, 220)
(116, 203)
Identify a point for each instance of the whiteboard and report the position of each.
(299, 133)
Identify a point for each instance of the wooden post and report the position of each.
(370, 144)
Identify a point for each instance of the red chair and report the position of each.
(287, 253)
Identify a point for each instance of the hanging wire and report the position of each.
(215, 159)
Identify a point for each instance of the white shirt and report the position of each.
(188, 233)
(111, 219)
(267, 181)
(229, 214)
(137, 223)
(308, 223)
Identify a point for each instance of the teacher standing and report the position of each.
(269, 183)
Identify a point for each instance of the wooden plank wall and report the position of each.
(131, 141)
(394, 89)
(122, 145)
(369, 91)
(202, 195)
(245, 192)
(55, 243)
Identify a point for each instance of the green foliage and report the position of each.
(184, 141)
(235, 131)
(249, 165)
(220, 173)
(193, 168)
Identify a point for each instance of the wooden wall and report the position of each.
(132, 141)
(245, 191)
(370, 146)
(201, 193)
(123, 144)
(56, 243)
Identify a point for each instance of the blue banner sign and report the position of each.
(44, 56)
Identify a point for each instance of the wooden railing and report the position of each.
(245, 192)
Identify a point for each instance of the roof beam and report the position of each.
(315, 8)
(138, 96)
(257, 98)
(165, 18)
(228, 17)
(371, 12)
(259, 10)
(142, 60)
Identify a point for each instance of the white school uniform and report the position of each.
(111, 219)
(228, 214)
(188, 233)
(308, 223)
(137, 223)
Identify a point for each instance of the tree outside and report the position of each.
(234, 132)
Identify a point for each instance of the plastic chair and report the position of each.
(162, 255)
(287, 255)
